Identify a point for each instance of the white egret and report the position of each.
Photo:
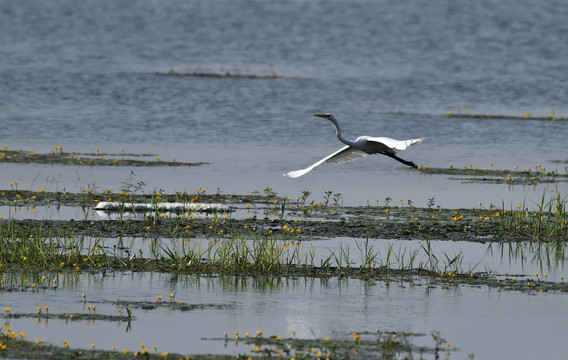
(360, 147)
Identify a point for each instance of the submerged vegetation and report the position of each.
(261, 236)
(236, 73)
(464, 113)
(526, 176)
(59, 157)
(256, 215)
(469, 173)
(378, 344)
(265, 234)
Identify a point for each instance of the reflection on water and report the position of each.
(544, 257)
(496, 259)
(315, 308)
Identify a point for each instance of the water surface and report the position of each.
(81, 75)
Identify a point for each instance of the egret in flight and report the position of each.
(358, 148)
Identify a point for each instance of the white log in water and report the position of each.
(165, 206)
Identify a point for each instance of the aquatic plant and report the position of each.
(511, 177)
(384, 344)
(70, 158)
(378, 344)
(198, 71)
(548, 223)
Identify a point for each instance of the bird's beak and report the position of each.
(320, 115)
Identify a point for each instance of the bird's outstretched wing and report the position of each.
(394, 145)
(342, 155)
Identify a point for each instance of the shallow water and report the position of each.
(471, 318)
(80, 75)
(75, 75)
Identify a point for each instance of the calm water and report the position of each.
(487, 323)
(79, 74)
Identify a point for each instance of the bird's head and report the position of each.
(327, 116)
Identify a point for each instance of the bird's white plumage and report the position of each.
(342, 155)
(393, 144)
(360, 147)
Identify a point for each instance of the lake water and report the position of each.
(81, 75)
(487, 323)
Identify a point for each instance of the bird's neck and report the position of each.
(338, 132)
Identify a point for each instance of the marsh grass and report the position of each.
(37, 246)
(547, 224)
(248, 251)
(218, 244)
(370, 221)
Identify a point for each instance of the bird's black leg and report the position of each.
(408, 163)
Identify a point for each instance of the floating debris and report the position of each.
(166, 206)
